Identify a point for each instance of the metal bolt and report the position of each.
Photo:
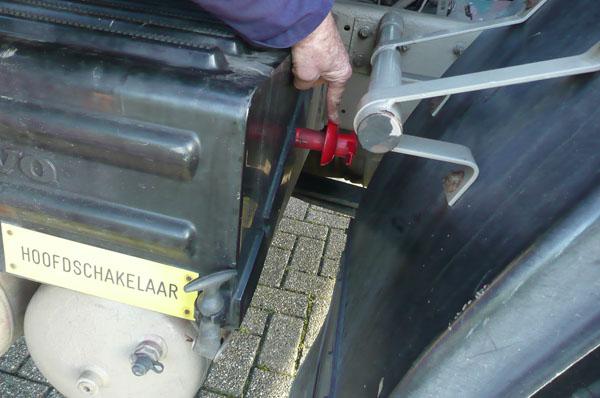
(89, 382)
(359, 60)
(404, 49)
(143, 364)
(458, 50)
(364, 32)
(146, 357)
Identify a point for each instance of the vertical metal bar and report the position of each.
(379, 130)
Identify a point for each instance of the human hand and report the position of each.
(322, 58)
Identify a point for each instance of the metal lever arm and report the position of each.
(587, 62)
(378, 120)
(458, 182)
(470, 28)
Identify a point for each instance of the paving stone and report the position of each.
(303, 228)
(280, 348)
(283, 240)
(296, 209)
(322, 209)
(255, 321)
(30, 372)
(274, 267)
(14, 387)
(329, 219)
(55, 394)
(308, 283)
(307, 256)
(280, 301)
(265, 384)
(229, 373)
(15, 357)
(209, 394)
(318, 314)
(330, 268)
(335, 244)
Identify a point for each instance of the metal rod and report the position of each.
(448, 152)
(587, 62)
(380, 129)
(476, 27)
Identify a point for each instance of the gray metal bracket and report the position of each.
(457, 182)
(516, 19)
(378, 120)
(587, 62)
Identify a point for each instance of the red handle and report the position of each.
(331, 144)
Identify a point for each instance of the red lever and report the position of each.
(331, 144)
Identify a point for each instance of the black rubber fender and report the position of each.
(412, 263)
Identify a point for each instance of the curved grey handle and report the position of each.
(210, 281)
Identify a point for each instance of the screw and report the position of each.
(146, 357)
(142, 365)
(458, 50)
(364, 32)
(404, 49)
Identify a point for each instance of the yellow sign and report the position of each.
(98, 272)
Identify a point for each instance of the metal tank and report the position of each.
(15, 294)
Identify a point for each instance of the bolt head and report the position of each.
(364, 32)
(458, 50)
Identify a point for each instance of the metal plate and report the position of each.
(98, 272)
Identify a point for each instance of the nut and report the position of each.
(364, 32)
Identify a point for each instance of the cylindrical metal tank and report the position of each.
(15, 294)
(88, 346)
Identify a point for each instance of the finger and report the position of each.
(334, 98)
(337, 79)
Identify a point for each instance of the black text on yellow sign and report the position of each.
(99, 272)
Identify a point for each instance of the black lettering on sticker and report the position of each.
(77, 267)
(25, 254)
(35, 256)
(87, 267)
(55, 260)
(109, 276)
(161, 289)
(130, 281)
(173, 291)
(150, 286)
(98, 273)
(139, 284)
(66, 264)
(120, 279)
(46, 260)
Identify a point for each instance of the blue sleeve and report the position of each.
(270, 23)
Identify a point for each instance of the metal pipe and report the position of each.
(379, 128)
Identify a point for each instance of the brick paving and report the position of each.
(283, 321)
